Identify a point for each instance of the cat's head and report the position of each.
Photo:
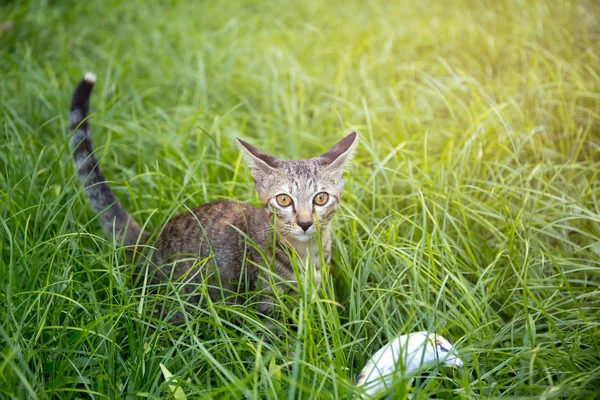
(301, 193)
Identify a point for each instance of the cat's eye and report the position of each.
(321, 199)
(283, 200)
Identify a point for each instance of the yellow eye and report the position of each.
(321, 199)
(283, 200)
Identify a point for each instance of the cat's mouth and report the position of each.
(304, 236)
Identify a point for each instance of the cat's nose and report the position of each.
(304, 225)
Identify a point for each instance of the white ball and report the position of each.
(404, 355)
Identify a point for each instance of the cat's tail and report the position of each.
(113, 216)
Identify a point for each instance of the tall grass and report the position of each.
(472, 207)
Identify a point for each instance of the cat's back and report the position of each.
(217, 227)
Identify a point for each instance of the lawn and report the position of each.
(471, 207)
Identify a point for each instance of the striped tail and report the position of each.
(113, 216)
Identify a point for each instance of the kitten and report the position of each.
(236, 243)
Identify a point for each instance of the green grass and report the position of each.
(472, 207)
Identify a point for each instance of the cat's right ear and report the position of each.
(258, 160)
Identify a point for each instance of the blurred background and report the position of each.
(471, 208)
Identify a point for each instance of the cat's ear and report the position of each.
(258, 160)
(341, 153)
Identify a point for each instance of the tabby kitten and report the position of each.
(237, 246)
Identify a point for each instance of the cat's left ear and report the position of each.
(341, 153)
